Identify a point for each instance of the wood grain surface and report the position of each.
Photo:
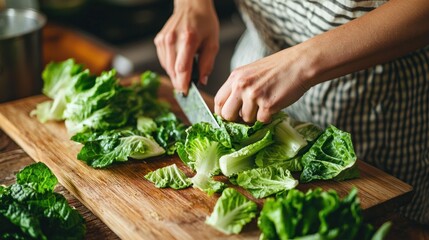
(133, 208)
(13, 158)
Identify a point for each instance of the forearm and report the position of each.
(383, 34)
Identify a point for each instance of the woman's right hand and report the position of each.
(192, 29)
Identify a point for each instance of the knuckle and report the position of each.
(242, 80)
(189, 36)
(170, 38)
(180, 67)
(252, 94)
(244, 83)
(267, 105)
(158, 40)
(235, 74)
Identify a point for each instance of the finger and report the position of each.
(187, 48)
(232, 107)
(221, 97)
(206, 61)
(170, 54)
(249, 110)
(264, 115)
(158, 40)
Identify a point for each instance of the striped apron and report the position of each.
(385, 107)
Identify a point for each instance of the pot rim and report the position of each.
(38, 17)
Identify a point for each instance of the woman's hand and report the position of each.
(262, 88)
(192, 29)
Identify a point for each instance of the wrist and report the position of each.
(199, 5)
(320, 61)
(307, 61)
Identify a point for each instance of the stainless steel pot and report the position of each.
(20, 53)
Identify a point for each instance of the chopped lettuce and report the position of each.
(262, 182)
(332, 156)
(287, 143)
(101, 149)
(231, 212)
(169, 131)
(98, 106)
(243, 159)
(61, 81)
(316, 214)
(293, 165)
(146, 124)
(109, 105)
(170, 176)
(309, 131)
(202, 150)
(239, 134)
(30, 209)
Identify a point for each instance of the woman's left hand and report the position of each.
(258, 90)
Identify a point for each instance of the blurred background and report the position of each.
(105, 34)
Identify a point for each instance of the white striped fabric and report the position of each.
(385, 107)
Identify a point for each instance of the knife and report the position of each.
(193, 105)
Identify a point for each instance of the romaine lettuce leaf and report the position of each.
(61, 81)
(170, 176)
(30, 209)
(203, 147)
(243, 159)
(169, 131)
(315, 214)
(231, 212)
(98, 108)
(287, 143)
(101, 149)
(98, 105)
(332, 156)
(262, 182)
(309, 131)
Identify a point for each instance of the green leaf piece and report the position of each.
(170, 176)
(30, 209)
(332, 156)
(202, 150)
(316, 214)
(243, 159)
(287, 143)
(61, 80)
(37, 176)
(102, 149)
(263, 182)
(231, 212)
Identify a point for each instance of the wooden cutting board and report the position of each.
(133, 208)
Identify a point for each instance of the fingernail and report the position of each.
(204, 80)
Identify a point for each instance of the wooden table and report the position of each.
(13, 158)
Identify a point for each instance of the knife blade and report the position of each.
(193, 105)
